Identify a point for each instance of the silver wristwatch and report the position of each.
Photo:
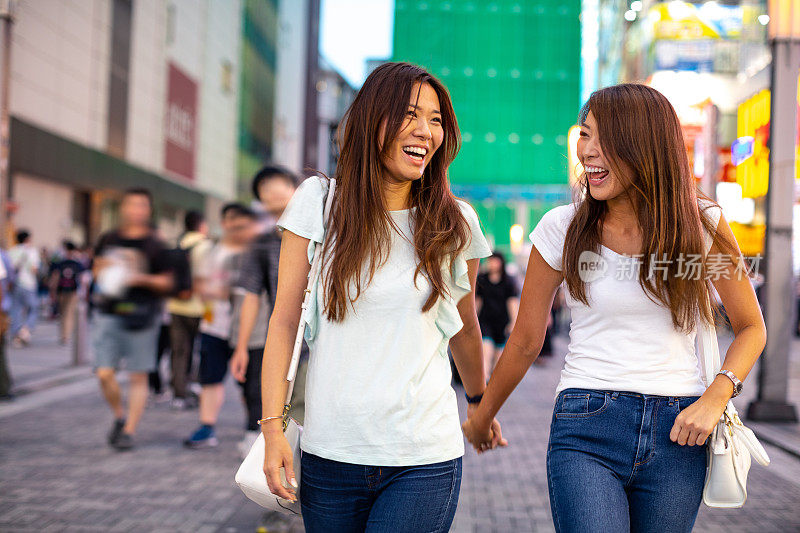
(737, 383)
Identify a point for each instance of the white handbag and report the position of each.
(250, 477)
(731, 444)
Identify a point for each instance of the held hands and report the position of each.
(482, 436)
(694, 424)
(277, 456)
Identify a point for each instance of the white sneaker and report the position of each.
(178, 404)
(247, 442)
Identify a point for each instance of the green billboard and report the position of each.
(513, 71)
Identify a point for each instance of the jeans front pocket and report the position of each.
(574, 403)
(686, 401)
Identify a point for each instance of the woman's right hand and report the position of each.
(278, 454)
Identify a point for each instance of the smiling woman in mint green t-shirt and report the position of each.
(382, 444)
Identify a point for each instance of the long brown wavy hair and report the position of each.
(643, 143)
(360, 227)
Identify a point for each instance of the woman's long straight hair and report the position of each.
(639, 132)
(360, 226)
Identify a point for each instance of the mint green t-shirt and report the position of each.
(378, 388)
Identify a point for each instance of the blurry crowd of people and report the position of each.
(37, 283)
(216, 294)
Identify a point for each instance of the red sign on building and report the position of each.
(179, 123)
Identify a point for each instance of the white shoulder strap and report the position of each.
(313, 275)
(709, 350)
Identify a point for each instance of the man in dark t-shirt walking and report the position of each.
(132, 277)
(64, 281)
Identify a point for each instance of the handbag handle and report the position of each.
(313, 275)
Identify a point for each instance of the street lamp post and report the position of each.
(773, 380)
(6, 20)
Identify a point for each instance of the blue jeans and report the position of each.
(612, 467)
(24, 309)
(344, 497)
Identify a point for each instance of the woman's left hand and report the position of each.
(694, 424)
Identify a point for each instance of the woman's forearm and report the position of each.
(740, 359)
(248, 315)
(468, 357)
(517, 358)
(275, 365)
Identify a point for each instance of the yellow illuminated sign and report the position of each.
(753, 121)
(749, 237)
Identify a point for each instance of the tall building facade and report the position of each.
(513, 71)
(295, 124)
(259, 57)
(109, 94)
(334, 96)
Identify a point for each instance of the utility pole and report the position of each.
(773, 380)
(6, 20)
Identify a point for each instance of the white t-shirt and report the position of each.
(217, 273)
(378, 386)
(623, 341)
(27, 261)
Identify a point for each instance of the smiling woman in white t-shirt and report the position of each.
(631, 417)
(382, 443)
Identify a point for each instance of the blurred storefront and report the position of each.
(711, 59)
(107, 95)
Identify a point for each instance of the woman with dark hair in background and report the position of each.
(497, 299)
(381, 444)
(632, 414)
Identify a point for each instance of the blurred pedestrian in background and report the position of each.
(273, 186)
(381, 444)
(133, 276)
(497, 301)
(64, 282)
(186, 307)
(213, 285)
(7, 277)
(25, 303)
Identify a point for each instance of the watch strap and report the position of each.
(737, 383)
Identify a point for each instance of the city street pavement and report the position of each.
(58, 474)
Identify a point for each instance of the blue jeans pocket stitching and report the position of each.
(605, 405)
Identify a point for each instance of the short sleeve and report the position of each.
(35, 259)
(304, 214)
(200, 254)
(713, 211)
(478, 247)
(102, 243)
(159, 257)
(548, 235)
(251, 275)
(479, 286)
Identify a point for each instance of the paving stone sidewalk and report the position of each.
(57, 473)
